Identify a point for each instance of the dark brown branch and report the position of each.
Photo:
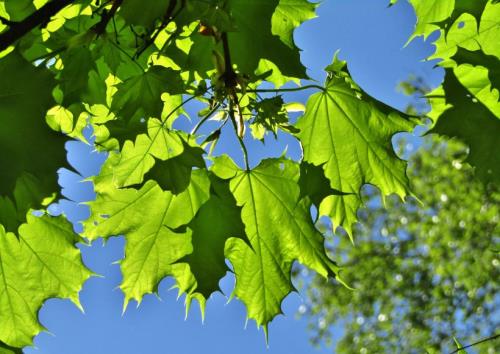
(39, 18)
(100, 27)
(231, 81)
(229, 74)
(167, 18)
(6, 22)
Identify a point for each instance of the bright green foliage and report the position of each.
(415, 267)
(479, 58)
(153, 243)
(429, 13)
(26, 180)
(470, 109)
(253, 20)
(279, 229)
(128, 68)
(141, 94)
(480, 130)
(137, 158)
(5, 349)
(216, 221)
(289, 15)
(40, 263)
(349, 134)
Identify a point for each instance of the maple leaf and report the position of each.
(478, 57)
(6, 349)
(218, 220)
(137, 158)
(152, 243)
(143, 13)
(474, 124)
(141, 94)
(24, 134)
(349, 134)
(290, 14)
(41, 263)
(279, 230)
(174, 174)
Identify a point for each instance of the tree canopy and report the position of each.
(424, 272)
(128, 68)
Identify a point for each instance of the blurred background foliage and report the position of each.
(424, 271)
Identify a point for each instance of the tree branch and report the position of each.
(279, 90)
(476, 343)
(100, 27)
(39, 18)
(167, 18)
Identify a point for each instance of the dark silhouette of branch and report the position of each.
(167, 18)
(39, 18)
(476, 343)
(100, 27)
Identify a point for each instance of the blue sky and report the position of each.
(370, 37)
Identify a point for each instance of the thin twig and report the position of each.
(167, 19)
(180, 105)
(307, 87)
(240, 139)
(204, 119)
(49, 55)
(476, 343)
(127, 55)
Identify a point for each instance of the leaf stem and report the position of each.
(180, 105)
(48, 55)
(169, 16)
(307, 87)
(127, 55)
(204, 119)
(240, 138)
(187, 100)
(476, 343)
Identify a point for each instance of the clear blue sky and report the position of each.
(371, 38)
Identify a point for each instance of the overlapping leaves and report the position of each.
(469, 108)
(125, 66)
(349, 135)
(39, 263)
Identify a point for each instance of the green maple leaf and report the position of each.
(143, 13)
(254, 38)
(18, 10)
(478, 57)
(349, 134)
(174, 174)
(74, 77)
(279, 229)
(137, 158)
(314, 185)
(289, 15)
(474, 124)
(41, 263)
(218, 220)
(6, 349)
(254, 35)
(24, 133)
(152, 243)
(473, 7)
(141, 94)
(429, 13)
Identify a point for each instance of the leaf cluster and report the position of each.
(129, 69)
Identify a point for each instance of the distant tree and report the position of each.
(422, 273)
